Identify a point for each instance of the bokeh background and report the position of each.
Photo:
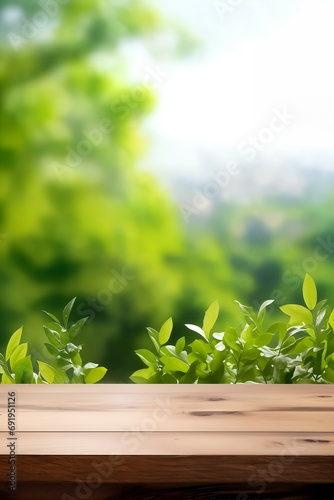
(156, 156)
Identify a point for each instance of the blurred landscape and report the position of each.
(156, 156)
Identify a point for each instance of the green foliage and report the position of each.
(17, 367)
(69, 221)
(256, 351)
(84, 219)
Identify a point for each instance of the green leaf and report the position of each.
(198, 346)
(75, 357)
(217, 361)
(202, 371)
(262, 309)
(71, 347)
(321, 319)
(47, 372)
(249, 332)
(5, 369)
(95, 375)
(299, 314)
(64, 361)
(280, 362)
(280, 328)
(142, 376)
(220, 346)
(210, 317)
(60, 376)
(302, 346)
(197, 329)
(169, 350)
(146, 356)
(309, 292)
(319, 308)
(52, 316)
(6, 379)
(331, 320)
(330, 361)
(168, 378)
(88, 366)
(38, 379)
(250, 354)
(19, 353)
(191, 375)
(78, 375)
(248, 312)
(24, 373)
(52, 350)
(231, 338)
(179, 346)
(67, 311)
(174, 364)
(165, 331)
(263, 339)
(55, 330)
(328, 375)
(53, 337)
(13, 343)
(64, 336)
(154, 336)
(77, 360)
(56, 327)
(245, 369)
(76, 328)
(267, 352)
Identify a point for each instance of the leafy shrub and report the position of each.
(17, 367)
(300, 351)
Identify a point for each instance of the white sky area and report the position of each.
(256, 57)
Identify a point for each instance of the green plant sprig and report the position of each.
(16, 367)
(300, 351)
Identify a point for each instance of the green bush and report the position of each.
(300, 351)
(16, 367)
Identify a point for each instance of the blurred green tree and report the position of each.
(77, 217)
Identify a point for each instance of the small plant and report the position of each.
(16, 367)
(300, 351)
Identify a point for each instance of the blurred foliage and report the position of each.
(78, 218)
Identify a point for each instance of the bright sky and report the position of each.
(259, 57)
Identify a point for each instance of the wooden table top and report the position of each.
(170, 419)
(189, 434)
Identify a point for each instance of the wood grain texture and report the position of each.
(204, 421)
(173, 419)
(175, 443)
(176, 469)
(213, 442)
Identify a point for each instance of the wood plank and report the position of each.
(114, 420)
(176, 469)
(220, 397)
(173, 443)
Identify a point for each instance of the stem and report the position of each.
(264, 378)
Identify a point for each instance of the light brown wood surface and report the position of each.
(171, 419)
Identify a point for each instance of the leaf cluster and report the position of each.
(300, 351)
(16, 367)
